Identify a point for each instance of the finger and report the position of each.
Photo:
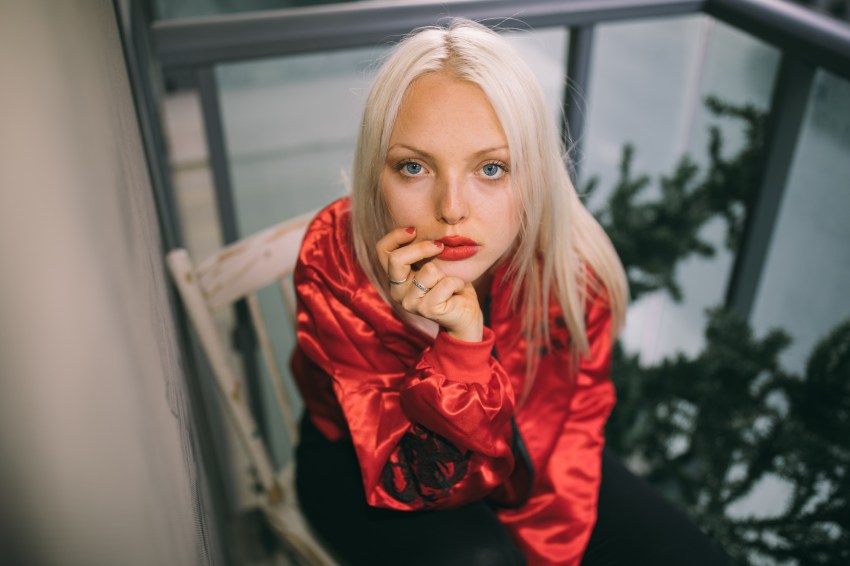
(393, 240)
(453, 304)
(438, 301)
(410, 254)
(420, 285)
(400, 264)
(427, 277)
(386, 245)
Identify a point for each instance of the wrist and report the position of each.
(473, 332)
(467, 362)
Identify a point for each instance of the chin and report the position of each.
(469, 273)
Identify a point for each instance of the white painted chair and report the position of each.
(235, 272)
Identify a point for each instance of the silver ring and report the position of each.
(394, 282)
(420, 286)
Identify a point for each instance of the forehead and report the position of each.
(440, 108)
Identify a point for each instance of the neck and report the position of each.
(482, 286)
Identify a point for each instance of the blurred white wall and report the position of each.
(94, 457)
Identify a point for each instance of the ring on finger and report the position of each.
(420, 286)
(398, 282)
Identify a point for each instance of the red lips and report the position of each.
(456, 248)
(457, 241)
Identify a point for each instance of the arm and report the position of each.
(430, 424)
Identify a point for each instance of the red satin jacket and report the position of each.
(435, 421)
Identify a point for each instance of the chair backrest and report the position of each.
(235, 272)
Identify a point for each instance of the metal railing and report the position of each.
(806, 39)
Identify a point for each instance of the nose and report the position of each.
(452, 205)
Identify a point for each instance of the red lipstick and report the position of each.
(456, 248)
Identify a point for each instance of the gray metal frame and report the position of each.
(138, 50)
(791, 91)
(576, 92)
(217, 150)
(809, 38)
(208, 41)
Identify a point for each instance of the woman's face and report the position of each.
(446, 175)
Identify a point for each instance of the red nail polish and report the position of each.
(410, 230)
(438, 244)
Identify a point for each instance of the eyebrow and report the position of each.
(429, 156)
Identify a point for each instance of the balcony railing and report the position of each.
(807, 40)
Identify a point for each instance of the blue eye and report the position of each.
(412, 168)
(493, 170)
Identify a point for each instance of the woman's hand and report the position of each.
(449, 301)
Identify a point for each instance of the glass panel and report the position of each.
(545, 51)
(649, 80)
(748, 435)
(803, 293)
(804, 285)
(290, 126)
(642, 84)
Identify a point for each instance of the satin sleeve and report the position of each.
(562, 511)
(430, 423)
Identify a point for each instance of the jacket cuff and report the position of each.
(465, 362)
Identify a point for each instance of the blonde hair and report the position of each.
(558, 239)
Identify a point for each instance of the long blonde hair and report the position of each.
(560, 243)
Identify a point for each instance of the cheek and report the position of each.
(504, 215)
(404, 205)
(507, 222)
(397, 211)
(390, 197)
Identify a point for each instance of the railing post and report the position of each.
(217, 150)
(244, 340)
(576, 92)
(138, 53)
(788, 107)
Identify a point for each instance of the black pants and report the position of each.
(635, 525)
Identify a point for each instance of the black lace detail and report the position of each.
(425, 466)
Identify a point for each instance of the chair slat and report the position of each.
(287, 291)
(238, 271)
(227, 383)
(251, 263)
(283, 400)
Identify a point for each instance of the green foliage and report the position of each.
(707, 429)
(652, 235)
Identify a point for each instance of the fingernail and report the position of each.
(410, 230)
(438, 244)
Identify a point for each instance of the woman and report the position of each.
(455, 323)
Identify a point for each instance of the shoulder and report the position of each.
(327, 256)
(331, 225)
(327, 273)
(327, 241)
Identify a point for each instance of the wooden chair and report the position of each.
(235, 272)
